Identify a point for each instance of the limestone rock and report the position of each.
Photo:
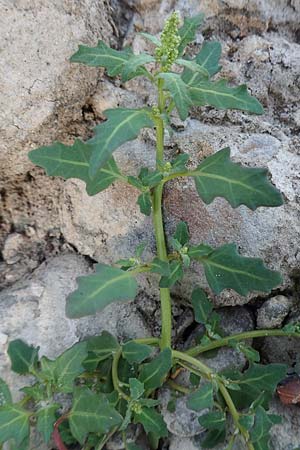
(273, 312)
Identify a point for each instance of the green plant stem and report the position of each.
(115, 377)
(194, 351)
(147, 341)
(178, 387)
(165, 297)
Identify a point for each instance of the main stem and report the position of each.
(165, 298)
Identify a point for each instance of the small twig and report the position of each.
(56, 435)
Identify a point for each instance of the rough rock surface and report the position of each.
(34, 311)
(273, 312)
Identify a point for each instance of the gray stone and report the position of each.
(285, 436)
(273, 312)
(34, 311)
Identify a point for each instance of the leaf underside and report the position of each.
(96, 291)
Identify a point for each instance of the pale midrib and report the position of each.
(227, 180)
(216, 93)
(121, 124)
(228, 269)
(105, 285)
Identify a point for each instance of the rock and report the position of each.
(12, 246)
(285, 436)
(273, 312)
(34, 311)
(183, 422)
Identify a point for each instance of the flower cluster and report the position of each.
(167, 52)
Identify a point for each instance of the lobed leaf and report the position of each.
(14, 423)
(22, 356)
(73, 162)
(68, 366)
(263, 423)
(226, 269)
(122, 125)
(179, 92)
(136, 353)
(103, 346)
(202, 398)
(91, 413)
(154, 373)
(207, 59)
(161, 267)
(98, 290)
(222, 96)
(134, 66)
(46, 418)
(214, 420)
(102, 56)
(218, 176)
(188, 30)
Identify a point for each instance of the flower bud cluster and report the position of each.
(167, 52)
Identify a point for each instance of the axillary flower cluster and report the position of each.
(167, 53)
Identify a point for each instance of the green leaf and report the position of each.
(103, 346)
(150, 178)
(144, 202)
(73, 162)
(182, 233)
(37, 391)
(22, 356)
(136, 388)
(202, 398)
(69, 365)
(218, 176)
(188, 30)
(213, 438)
(133, 66)
(198, 251)
(201, 305)
(195, 69)
(207, 59)
(91, 413)
(176, 273)
(154, 373)
(14, 423)
(45, 420)
(102, 56)
(5, 395)
(132, 446)
(96, 291)
(259, 434)
(179, 163)
(222, 96)
(150, 38)
(214, 420)
(122, 125)
(250, 353)
(256, 380)
(226, 269)
(247, 421)
(179, 92)
(136, 353)
(161, 267)
(152, 422)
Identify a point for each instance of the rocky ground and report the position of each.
(51, 231)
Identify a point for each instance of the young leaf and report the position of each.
(136, 388)
(14, 423)
(259, 434)
(218, 176)
(195, 69)
(202, 398)
(91, 413)
(45, 420)
(161, 267)
(102, 56)
(178, 164)
(96, 291)
(221, 96)
(133, 65)
(136, 353)
(154, 373)
(150, 38)
(176, 273)
(213, 438)
(103, 346)
(144, 202)
(198, 251)
(188, 30)
(73, 162)
(152, 422)
(179, 92)
(201, 305)
(69, 365)
(215, 420)
(122, 125)
(5, 395)
(226, 269)
(182, 233)
(207, 59)
(22, 356)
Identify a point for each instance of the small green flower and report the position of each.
(167, 52)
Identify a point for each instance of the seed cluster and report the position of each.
(167, 52)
